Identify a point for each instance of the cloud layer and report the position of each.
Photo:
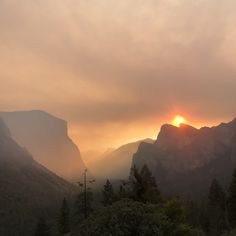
(117, 69)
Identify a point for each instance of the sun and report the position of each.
(178, 120)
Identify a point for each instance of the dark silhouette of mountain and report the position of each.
(46, 138)
(27, 189)
(185, 160)
(119, 160)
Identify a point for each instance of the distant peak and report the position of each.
(169, 127)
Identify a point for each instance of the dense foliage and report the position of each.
(138, 209)
(128, 218)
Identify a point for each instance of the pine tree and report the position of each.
(64, 218)
(82, 207)
(143, 185)
(42, 228)
(122, 192)
(232, 201)
(108, 194)
(216, 209)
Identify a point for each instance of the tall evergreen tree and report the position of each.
(108, 194)
(216, 209)
(64, 218)
(42, 228)
(84, 207)
(232, 201)
(143, 185)
(122, 192)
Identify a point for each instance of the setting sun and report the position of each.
(178, 120)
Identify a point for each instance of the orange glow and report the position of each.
(178, 120)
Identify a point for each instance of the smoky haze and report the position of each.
(117, 70)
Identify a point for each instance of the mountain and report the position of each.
(46, 138)
(27, 188)
(185, 160)
(115, 164)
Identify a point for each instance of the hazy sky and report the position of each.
(117, 69)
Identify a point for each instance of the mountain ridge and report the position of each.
(185, 155)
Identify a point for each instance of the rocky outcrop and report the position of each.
(46, 138)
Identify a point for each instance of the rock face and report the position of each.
(46, 138)
(116, 164)
(27, 188)
(185, 160)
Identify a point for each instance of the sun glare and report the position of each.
(178, 120)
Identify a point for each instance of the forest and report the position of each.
(137, 208)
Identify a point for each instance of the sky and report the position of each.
(118, 70)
